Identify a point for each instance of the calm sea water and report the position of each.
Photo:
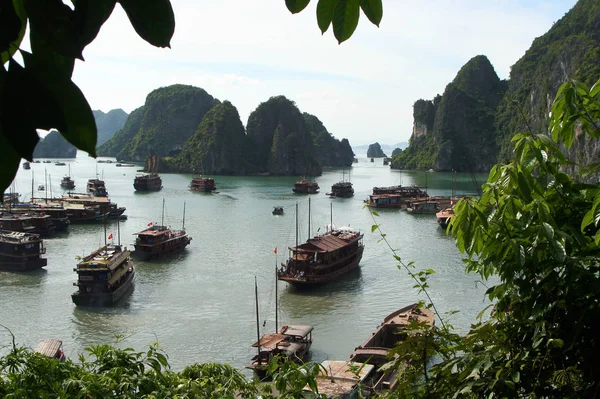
(200, 305)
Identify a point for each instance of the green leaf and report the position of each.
(373, 9)
(89, 16)
(374, 227)
(80, 129)
(13, 21)
(325, 9)
(345, 19)
(153, 20)
(54, 21)
(295, 6)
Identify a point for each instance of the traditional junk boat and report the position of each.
(305, 186)
(57, 215)
(204, 184)
(395, 196)
(363, 375)
(35, 222)
(290, 342)
(21, 251)
(104, 276)
(157, 241)
(342, 189)
(150, 181)
(423, 207)
(323, 258)
(10, 198)
(277, 210)
(444, 216)
(67, 183)
(97, 187)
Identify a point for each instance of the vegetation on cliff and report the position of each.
(456, 131)
(54, 145)
(495, 110)
(168, 119)
(123, 137)
(375, 151)
(279, 141)
(329, 151)
(217, 146)
(109, 123)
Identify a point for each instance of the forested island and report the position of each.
(470, 126)
(194, 132)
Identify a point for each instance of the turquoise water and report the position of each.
(199, 304)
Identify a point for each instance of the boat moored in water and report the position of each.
(203, 184)
(21, 251)
(277, 210)
(342, 189)
(103, 277)
(444, 216)
(149, 181)
(96, 187)
(305, 186)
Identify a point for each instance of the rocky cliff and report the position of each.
(167, 120)
(471, 125)
(109, 123)
(217, 146)
(54, 145)
(329, 151)
(375, 151)
(279, 141)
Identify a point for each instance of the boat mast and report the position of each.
(162, 220)
(308, 218)
(46, 184)
(32, 181)
(296, 225)
(118, 231)
(331, 216)
(50, 180)
(183, 225)
(276, 303)
(257, 319)
(105, 238)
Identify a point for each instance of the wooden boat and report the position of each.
(104, 276)
(444, 216)
(21, 251)
(59, 163)
(322, 258)
(277, 210)
(376, 349)
(66, 182)
(26, 165)
(41, 187)
(36, 223)
(125, 165)
(395, 196)
(423, 207)
(101, 203)
(150, 181)
(10, 198)
(203, 184)
(304, 186)
(56, 215)
(96, 187)
(157, 241)
(343, 379)
(341, 189)
(52, 348)
(290, 342)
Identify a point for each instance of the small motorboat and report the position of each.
(41, 187)
(277, 210)
(51, 348)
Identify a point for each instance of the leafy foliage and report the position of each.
(342, 14)
(40, 94)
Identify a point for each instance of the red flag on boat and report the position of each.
(275, 251)
(149, 223)
(110, 236)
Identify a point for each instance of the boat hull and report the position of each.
(105, 298)
(145, 252)
(23, 266)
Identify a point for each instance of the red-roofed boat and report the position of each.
(323, 258)
(159, 240)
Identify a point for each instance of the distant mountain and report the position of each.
(108, 124)
(54, 145)
(329, 151)
(361, 150)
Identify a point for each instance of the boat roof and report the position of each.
(296, 330)
(324, 243)
(410, 313)
(49, 347)
(153, 231)
(270, 340)
(339, 377)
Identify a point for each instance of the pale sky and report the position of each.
(363, 89)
